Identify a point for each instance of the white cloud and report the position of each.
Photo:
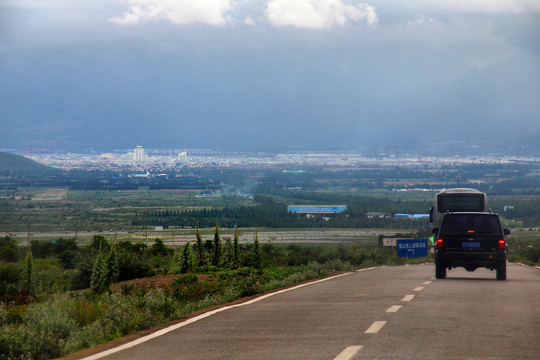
(318, 14)
(485, 6)
(420, 19)
(211, 12)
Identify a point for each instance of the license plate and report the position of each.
(470, 244)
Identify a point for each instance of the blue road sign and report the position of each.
(412, 247)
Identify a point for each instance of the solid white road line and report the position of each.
(408, 298)
(394, 308)
(200, 317)
(366, 269)
(348, 353)
(375, 327)
(420, 288)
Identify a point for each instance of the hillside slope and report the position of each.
(16, 165)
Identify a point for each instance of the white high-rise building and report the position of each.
(138, 154)
(182, 157)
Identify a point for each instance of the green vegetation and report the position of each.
(56, 322)
(62, 294)
(16, 166)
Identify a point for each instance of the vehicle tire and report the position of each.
(501, 271)
(440, 270)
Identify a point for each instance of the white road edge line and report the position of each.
(420, 288)
(366, 269)
(375, 327)
(349, 352)
(200, 317)
(394, 308)
(407, 298)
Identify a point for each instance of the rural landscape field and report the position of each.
(110, 254)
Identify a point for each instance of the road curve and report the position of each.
(383, 313)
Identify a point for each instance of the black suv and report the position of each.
(470, 240)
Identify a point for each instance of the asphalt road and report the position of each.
(379, 313)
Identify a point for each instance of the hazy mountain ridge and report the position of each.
(16, 165)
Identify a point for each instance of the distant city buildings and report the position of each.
(139, 154)
(182, 157)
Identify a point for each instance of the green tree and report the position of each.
(216, 255)
(256, 258)
(236, 250)
(186, 261)
(98, 280)
(28, 283)
(9, 251)
(201, 257)
(113, 269)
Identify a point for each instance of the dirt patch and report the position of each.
(52, 195)
(153, 282)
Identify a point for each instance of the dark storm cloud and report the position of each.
(233, 78)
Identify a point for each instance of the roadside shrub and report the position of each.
(129, 246)
(186, 279)
(160, 304)
(68, 259)
(86, 311)
(3, 314)
(51, 318)
(85, 261)
(206, 269)
(9, 254)
(90, 335)
(41, 249)
(159, 249)
(10, 280)
(60, 245)
(9, 250)
(133, 266)
(100, 242)
(127, 314)
(49, 325)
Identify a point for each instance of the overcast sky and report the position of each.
(268, 75)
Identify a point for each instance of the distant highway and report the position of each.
(379, 313)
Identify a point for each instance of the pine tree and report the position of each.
(186, 263)
(228, 251)
(216, 256)
(201, 258)
(29, 285)
(236, 251)
(256, 258)
(113, 269)
(98, 279)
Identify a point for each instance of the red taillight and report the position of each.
(502, 245)
(439, 243)
(470, 231)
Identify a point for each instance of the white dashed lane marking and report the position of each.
(375, 327)
(420, 288)
(407, 298)
(394, 308)
(348, 353)
(427, 282)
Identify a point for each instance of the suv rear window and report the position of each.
(471, 223)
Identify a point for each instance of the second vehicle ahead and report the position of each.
(470, 240)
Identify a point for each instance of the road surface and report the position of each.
(379, 313)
